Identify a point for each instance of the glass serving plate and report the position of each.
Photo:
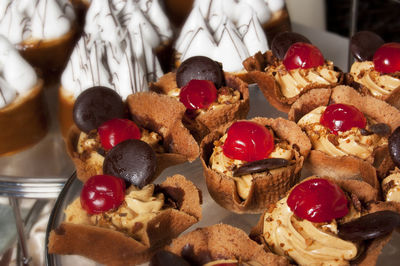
(334, 48)
(212, 212)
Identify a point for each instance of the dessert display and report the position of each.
(349, 132)
(43, 31)
(105, 140)
(117, 50)
(375, 71)
(327, 221)
(210, 96)
(272, 14)
(249, 165)
(117, 226)
(225, 31)
(292, 67)
(217, 245)
(23, 112)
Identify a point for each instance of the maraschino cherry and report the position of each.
(387, 58)
(101, 193)
(318, 200)
(342, 117)
(198, 94)
(248, 141)
(303, 55)
(117, 130)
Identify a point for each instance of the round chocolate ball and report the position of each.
(133, 160)
(199, 67)
(95, 106)
(282, 41)
(364, 44)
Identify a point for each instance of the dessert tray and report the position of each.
(212, 214)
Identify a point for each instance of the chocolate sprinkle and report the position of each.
(260, 166)
(132, 160)
(370, 226)
(380, 129)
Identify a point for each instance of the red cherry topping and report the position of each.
(342, 117)
(198, 94)
(117, 130)
(303, 55)
(248, 141)
(387, 58)
(101, 193)
(318, 200)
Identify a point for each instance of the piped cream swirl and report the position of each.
(131, 217)
(293, 82)
(378, 84)
(304, 241)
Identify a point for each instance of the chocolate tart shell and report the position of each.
(378, 110)
(211, 119)
(266, 189)
(365, 193)
(222, 241)
(116, 248)
(256, 65)
(24, 122)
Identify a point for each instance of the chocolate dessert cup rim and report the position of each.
(226, 231)
(189, 210)
(271, 91)
(231, 199)
(377, 109)
(366, 193)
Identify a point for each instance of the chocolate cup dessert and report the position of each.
(363, 76)
(320, 163)
(266, 188)
(368, 198)
(23, 123)
(113, 247)
(209, 120)
(256, 66)
(166, 120)
(221, 241)
(50, 56)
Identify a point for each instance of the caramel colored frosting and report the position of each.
(391, 186)
(378, 84)
(305, 242)
(293, 82)
(131, 217)
(350, 142)
(225, 96)
(89, 146)
(247, 263)
(223, 164)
